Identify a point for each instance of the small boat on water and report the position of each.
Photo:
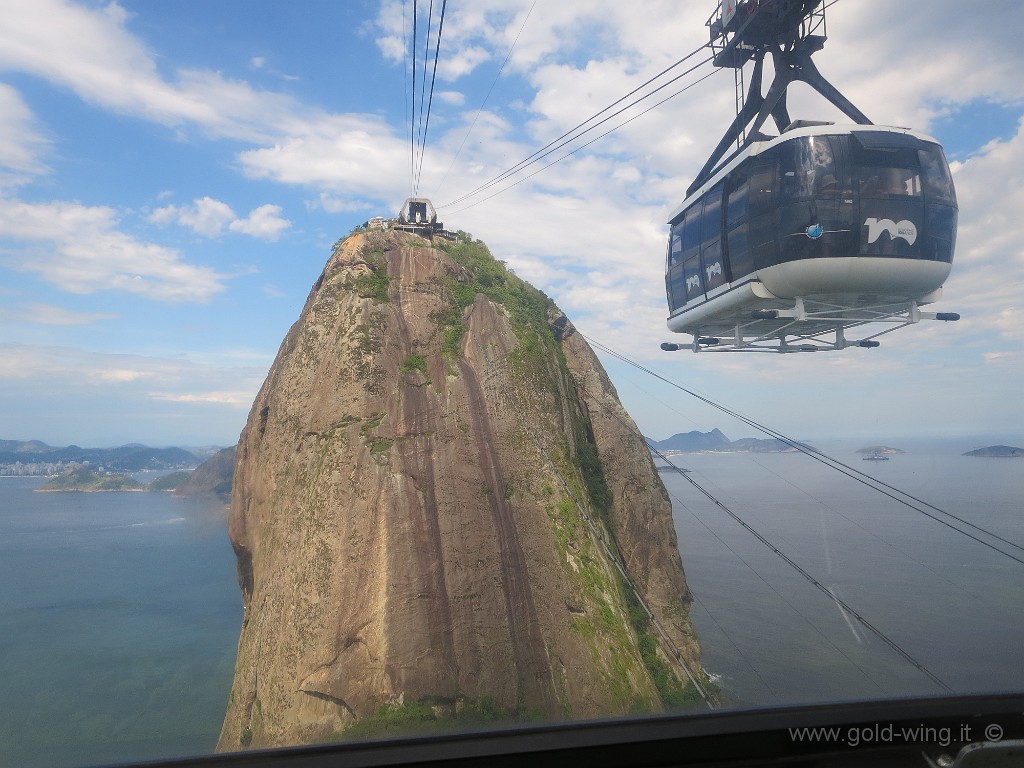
(875, 458)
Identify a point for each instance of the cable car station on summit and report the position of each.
(789, 242)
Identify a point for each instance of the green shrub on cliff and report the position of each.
(482, 273)
(528, 310)
(421, 717)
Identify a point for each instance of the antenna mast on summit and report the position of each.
(791, 31)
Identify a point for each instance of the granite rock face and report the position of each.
(435, 498)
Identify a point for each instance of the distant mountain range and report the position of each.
(699, 442)
(35, 457)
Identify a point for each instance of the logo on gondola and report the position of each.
(692, 283)
(714, 269)
(814, 231)
(904, 229)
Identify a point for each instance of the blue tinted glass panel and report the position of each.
(940, 233)
(762, 241)
(693, 279)
(675, 243)
(886, 174)
(807, 169)
(712, 264)
(741, 261)
(791, 173)
(820, 168)
(676, 287)
(711, 219)
(843, 164)
(691, 232)
(762, 180)
(738, 197)
(938, 183)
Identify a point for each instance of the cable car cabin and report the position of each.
(805, 235)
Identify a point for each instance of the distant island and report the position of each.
(81, 478)
(84, 479)
(880, 450)
(997, 452)
(716, 442)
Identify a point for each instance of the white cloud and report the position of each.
(610, 211)
(239, 398)
(462, 62)
(46, 365)
(264, 222)
(101, 398)
(453, 98)
(227, 377)
(988, 268)
(97, 398)
(210, 217)
(358, 154)
(166, 215)
(21, 141)
(91, 52)
(207, 216)
(907, 72)
(48, 314)
(79, 249)
(335, 204)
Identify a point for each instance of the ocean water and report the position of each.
(949, 603)
(119, 618)
(120, 613)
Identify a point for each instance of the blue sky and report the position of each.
(173, 175)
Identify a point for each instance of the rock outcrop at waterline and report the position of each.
(426, 496)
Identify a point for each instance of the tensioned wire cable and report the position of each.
(854, 474)
(487, 95)
(843, 605)
(569, 136)
(597, 138)
(423, 78)
(778, 594)
(430, 101)
(412, 99)
(825, 505)
(817, 584)
(838, 513)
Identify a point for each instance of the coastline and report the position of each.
(91, 490)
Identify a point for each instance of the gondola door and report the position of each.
(712, 262)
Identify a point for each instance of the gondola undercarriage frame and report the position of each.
(810, 324)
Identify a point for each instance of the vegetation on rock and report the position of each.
(84, 479)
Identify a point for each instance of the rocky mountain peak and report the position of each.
(439, 502)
